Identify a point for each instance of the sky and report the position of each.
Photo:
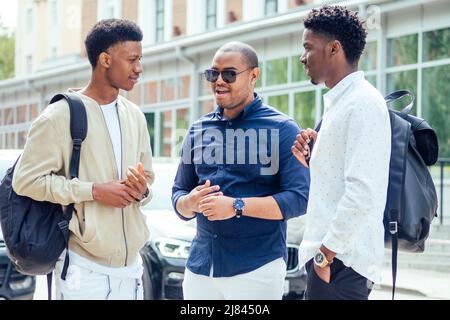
(8, 13)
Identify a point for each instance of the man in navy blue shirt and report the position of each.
(238, 177)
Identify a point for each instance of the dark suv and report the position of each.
(166, 252)
(13, 285)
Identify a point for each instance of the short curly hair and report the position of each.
(107, 33)
(341, 24)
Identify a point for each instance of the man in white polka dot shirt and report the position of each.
(343, 243)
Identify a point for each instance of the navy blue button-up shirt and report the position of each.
(249, 156)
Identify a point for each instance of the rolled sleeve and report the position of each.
(185, 180)
(294, 177)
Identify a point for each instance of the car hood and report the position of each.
(165, 223)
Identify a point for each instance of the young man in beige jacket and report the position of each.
(107, 227)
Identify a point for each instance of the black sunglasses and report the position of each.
(229, 76)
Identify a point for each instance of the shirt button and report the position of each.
(215, 236)
(230, 123)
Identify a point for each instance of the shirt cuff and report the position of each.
(334, 244)
(84, 191)
(175, 200)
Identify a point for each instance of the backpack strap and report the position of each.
(394, 212)
(397, 95)
(78, 131)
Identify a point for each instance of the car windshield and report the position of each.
(162, 186)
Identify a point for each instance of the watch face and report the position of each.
(319, 258)
(239, 204)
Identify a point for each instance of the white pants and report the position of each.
(85, 284)
(264, 283)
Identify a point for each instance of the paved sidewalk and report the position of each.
(421, 283)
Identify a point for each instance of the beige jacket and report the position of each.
(106, 235)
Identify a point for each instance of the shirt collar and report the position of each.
(245, 112)
(334, 94)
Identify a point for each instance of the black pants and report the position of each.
(345, 284)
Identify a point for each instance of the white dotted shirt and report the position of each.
(349, 178)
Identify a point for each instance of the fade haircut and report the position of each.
(338, 23)
(246, 51)
(106, 33)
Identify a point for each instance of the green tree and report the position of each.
(7, 51)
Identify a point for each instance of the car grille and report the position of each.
(173, 293)
(292, 262)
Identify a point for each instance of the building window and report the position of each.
(22, 137)
(298, 71)
(165, 142)
(22, 114)
(151, 92)
(436, 45)
(8, 116)
(436, 104)
(34, 111)
(280, 102)
(11, 140)
(277, 71)
(368, 60)
(402, 50)
(168, 89)
(271, 7)
(53, 13)
(109, 9)
(304, 109)
(204, 86)
(259, 82)
(206, 107)
(150, 117)
(29, 20)
(211, 14)
(159, 20)
(182, 125)
(184, 87)
(29, 63)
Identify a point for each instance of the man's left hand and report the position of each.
(136, 180)
(216, 208)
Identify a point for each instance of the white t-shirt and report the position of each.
(136, 269)
(113, 124)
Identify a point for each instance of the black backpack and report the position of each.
(411, 200)
(37, 232)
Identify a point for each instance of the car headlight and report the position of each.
(172, 248)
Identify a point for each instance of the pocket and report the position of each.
(319, 279)
(87, 214)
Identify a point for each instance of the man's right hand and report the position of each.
(188, 205)
(114, 194)
(300, 149)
